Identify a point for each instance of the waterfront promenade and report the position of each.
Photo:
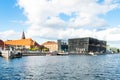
(39, 53)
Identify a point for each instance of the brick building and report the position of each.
(1, 44)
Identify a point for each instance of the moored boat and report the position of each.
(62, 53)
(91, 53)
(11, 53)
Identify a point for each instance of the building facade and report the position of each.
(51, 45)
(62, 45)
(1, 44)
(22, 43)
(85, 45)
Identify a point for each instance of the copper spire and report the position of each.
(23, 35)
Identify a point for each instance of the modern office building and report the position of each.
(85, 45)
(62, 45)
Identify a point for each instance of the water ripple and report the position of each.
(102, 67)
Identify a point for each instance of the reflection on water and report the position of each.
(102, 67)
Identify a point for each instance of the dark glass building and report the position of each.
(85, 45)
(62, 45)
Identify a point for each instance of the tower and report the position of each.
(23, 35)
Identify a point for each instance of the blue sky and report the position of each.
(45, 20)
(113, 17)
(10, 16)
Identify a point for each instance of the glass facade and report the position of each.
(62, 45)
(85, 45)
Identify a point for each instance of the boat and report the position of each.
(62, 53)
(11, 53)
(91, 53)
(48, 54)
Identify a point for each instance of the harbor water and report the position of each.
(70, 67)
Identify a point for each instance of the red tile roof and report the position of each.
(49, 43)
(23, 42)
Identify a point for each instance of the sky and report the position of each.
(44, 20)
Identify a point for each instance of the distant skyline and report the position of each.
(44, 20)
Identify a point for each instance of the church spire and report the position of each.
(23, 35)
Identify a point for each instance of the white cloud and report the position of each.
(18, 22)
(110, 34)
(10, 34)
(45, 20)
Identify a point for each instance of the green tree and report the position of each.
(118, 50)
(45, 49)
(34, 49)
